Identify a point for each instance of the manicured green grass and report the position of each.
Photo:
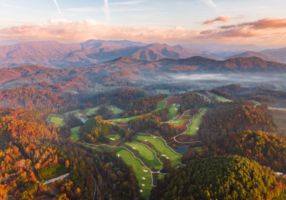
(205, 98)
(113, 137)
(163, 91)
(179, 122)
(161, 176)
(123, 119)
(219, 98)
(161, 105)
(91, 111)
(57, 120)
(138, 169)
(145, 154)
(115, 110)
(196, 122)
(173, 110)
(75, 133)
(281, 109)
(160, 146)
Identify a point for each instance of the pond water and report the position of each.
(182, 149)
(82, 119)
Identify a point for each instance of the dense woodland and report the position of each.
(95, 129)
(190, 101)
(222, 177)
(143, 105)
(105, 112)
(265, 148)
(235, 116)
(153, 120)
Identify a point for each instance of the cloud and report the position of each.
(207, 32)
(126, 3)
(210, 3)
(267, 23)
(106, 11)
(68, 31)
(219, 19)
(58, 8)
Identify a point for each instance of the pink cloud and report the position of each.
(219, 19)
(207, 32)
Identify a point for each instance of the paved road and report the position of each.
(55, 179)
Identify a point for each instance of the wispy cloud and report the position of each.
(106, 11)
(58, 8)
(210, 3)
(126, 3)
(219, 19)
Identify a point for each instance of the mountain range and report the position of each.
(126, 68)
(58, 55)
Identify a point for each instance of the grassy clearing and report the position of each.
(196, 122)
(115, 110)
(161, 105)
(57, 120)
(173, 110)
(113, 137)
(205, 98)
(160, 146)
(140, 171)
(91, 111)
(75, 133)
(219, 98)
(145, 154)
(178, 122)
(163, 91)
(123, 119)
(280, 109)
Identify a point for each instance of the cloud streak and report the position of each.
(106, 11)
(218, 19)
(210, 3)
(69, 31)
(58, 8)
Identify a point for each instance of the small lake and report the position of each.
(182, 149)
(82, 119)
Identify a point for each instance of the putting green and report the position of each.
(115, 110)
(91, 111)
(113, 137)
(179, 122)
(219, 98)
(173, 110)
(161, 105)
(160, 146)
(196, 122)
(142, 173)
(57, 120)
(75, 133)
(145, 154)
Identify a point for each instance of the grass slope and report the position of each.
(57, 120)
(161, 105)
(280, 109)
(160, 146)
(123, 119)
(196, 122)
(219, 98)
(145, 154)
(173, 110)
(91, 111)
(138, 169)
(75, 133)
(115, 110)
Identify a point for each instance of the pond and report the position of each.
(182, 149)
(82, 119)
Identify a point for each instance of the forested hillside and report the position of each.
(221, 177)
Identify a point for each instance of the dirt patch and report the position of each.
(176, 100)
(123, 125)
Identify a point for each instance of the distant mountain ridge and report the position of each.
(58, 55)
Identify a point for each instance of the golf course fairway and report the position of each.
(142, 173)
(146, 155)
(196, 122)
(160, 146)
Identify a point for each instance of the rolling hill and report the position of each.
(248, 54)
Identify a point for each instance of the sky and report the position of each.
(259, 22)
